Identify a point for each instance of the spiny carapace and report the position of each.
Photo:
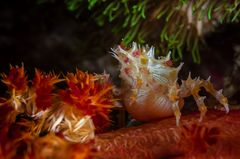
(152, 88)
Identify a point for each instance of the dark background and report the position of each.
(50, 37)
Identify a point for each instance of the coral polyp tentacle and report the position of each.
(17, 84)
(43, 86)
(150, 86)
(86, 104)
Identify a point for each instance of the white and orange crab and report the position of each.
(152, 90)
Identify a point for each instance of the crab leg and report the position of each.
(201, 105)
(195, 88)
(173, 95)
(192, 87)
(176, 111)
(217, 94)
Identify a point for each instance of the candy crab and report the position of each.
(151, 90)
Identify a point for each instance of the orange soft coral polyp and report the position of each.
(73, 111)
(17, 84)
(44, 86)
(16, 79)
(87, 93)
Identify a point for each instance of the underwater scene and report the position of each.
(120, 79)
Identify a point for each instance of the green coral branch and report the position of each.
(179, 23)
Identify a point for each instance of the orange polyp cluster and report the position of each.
(89, 94)
(16, 80)
(44, 86)
(87, 98)
(25, 96)
(21, 144)
(200, 137)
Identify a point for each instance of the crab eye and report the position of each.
(169, 63)
(136, 53)
(126, 60)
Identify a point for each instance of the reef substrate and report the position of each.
(217, 136)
